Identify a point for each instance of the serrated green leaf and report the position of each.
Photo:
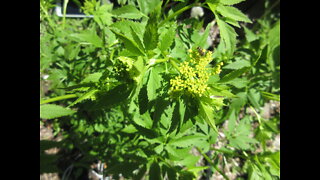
(137, 39)
(159, 112)
(190, 162)
(273, 46)
(230, 2)
(231, 21)
(237, 64)
(94, 77)
(239, 138)
(51, 111)
(239, 82)
(129, 129)
(88, 95)
(177, 116)
(153, 83)
(87, 37)
(143, 120)
(166, 39)
(228, 36)
(254, 97)
(234, 74)
(128, 11)
(207, 113)
(233, 13)
(239, 102)
(150, 37)
(216, 91)
(158, 149)
(187, 141)
(250, 36)
(147, 6)
(172, 151)
(131, 46)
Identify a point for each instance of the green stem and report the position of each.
(212, 164)
(255, 112)
(161, 60)
(176, 13)
(228, 152)
(51, 24)
(65, 3)
(174, 64)
(69, 96)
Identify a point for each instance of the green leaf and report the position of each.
(239, 137)
(187, 141)
(143, 120)
(131, 45)
(270, 96)
(239, 102)
(154, 172)
(159, 112)
(250, 36)
(102, 15)
(232, 121)
(51, 111)
(273, 45)
(237, 64)
(137, 39)
(87, 37)
(166, 39)
(143, 100)
(228, 36)
(150, 37)
(88, 95)
(202, 41)
(170, 172)
(190, 161)
(129, 129)
(71, 51)
(239, 82)
(177, 116)
(234, 74)
(128, 11)
(254, 97)
(147, 6)
(233, 13)
(230, 2)
(216, 91)
(153, 83)
(166, 117)
(207, 113)
(94, 77)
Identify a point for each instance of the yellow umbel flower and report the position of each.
(194, 75)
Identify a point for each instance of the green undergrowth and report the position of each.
(140, 91)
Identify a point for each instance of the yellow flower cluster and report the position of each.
(217, 68)
(193, 74)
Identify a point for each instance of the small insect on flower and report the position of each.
(201, 51)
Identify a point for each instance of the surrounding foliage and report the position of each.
(140, 89)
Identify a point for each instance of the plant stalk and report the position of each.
(59, 98)
(213, 165)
